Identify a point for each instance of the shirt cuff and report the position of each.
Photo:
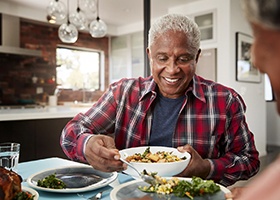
(211, 169)
(81, 146)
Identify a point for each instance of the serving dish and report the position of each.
(76, 178)
(163, 169)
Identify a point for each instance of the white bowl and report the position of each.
(163, 169)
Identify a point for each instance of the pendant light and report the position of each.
(67, 32)
(88, 5)
(78, 18)
(56, 10)
(97, 28)
(89, 8)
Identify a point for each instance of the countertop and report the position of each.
(47, 112)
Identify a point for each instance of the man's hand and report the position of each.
(197, 166)
(235, 193)
(102, 154)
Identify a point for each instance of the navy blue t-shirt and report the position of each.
(165, 115)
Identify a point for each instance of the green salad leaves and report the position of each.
(197, 187)
(182, 188)
(51, 182)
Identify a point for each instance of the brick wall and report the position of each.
(16, 71)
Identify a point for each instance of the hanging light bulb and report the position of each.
(97, 28)
(89, 8)
(67, 32)
(88, 5)
(56, 10)
(78, 18)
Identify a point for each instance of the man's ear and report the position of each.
(197, 55)
(148, 52)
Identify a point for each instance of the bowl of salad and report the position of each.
(164, 161)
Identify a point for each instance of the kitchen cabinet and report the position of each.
(38, 138)
(127, 56)
(206, 22)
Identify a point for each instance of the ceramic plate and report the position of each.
(163, 169)
(31, 191)
(76, 178)
(130, 190)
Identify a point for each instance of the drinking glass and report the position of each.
(9, 155)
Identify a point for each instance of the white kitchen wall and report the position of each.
(230, 19)
(273, 124)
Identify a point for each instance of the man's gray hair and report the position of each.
(263, 12)
(176, 22)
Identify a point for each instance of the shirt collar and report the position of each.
(149, 89)
(195, 87)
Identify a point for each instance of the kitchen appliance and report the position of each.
(10, 37)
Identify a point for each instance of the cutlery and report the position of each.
(148, 179)
(97, 196)
(94, 197)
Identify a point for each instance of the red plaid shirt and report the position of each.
(211, 120)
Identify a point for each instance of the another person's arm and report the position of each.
(265, 186)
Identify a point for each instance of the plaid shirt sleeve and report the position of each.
(240, 160)
(213, 122)
(99, 119)
(110, 115)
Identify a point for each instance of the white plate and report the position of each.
(31, 191)
(76, 178)
(130, 190)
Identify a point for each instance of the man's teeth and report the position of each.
(171, 80)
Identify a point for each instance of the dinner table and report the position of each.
(28, 168)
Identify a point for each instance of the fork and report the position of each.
(94, 197)
(148, 179)
(97, 196)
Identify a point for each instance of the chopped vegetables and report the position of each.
(182, 188)
(159, 157)
(51, 182)
(24, 196)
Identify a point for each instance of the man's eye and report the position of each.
(162, 58)
(184, 60)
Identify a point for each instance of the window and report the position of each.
(78, 68)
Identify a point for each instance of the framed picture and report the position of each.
(245, 71)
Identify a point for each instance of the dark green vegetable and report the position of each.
(51, 182)
(147, 150)
(197, 187)
(24, 196)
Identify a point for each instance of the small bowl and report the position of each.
(167, 169)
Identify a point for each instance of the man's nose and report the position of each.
(172, 67)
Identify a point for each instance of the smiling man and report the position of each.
(173, 107)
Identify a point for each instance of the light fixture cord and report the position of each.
(97, 11)
(78, 6)
(68, 21)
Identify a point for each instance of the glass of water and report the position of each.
(9, 155)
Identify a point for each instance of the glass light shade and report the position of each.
(68, 33)
(88, 5)
(57, 10)
(97, 28)
(78, 19)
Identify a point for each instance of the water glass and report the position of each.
(9, 155)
